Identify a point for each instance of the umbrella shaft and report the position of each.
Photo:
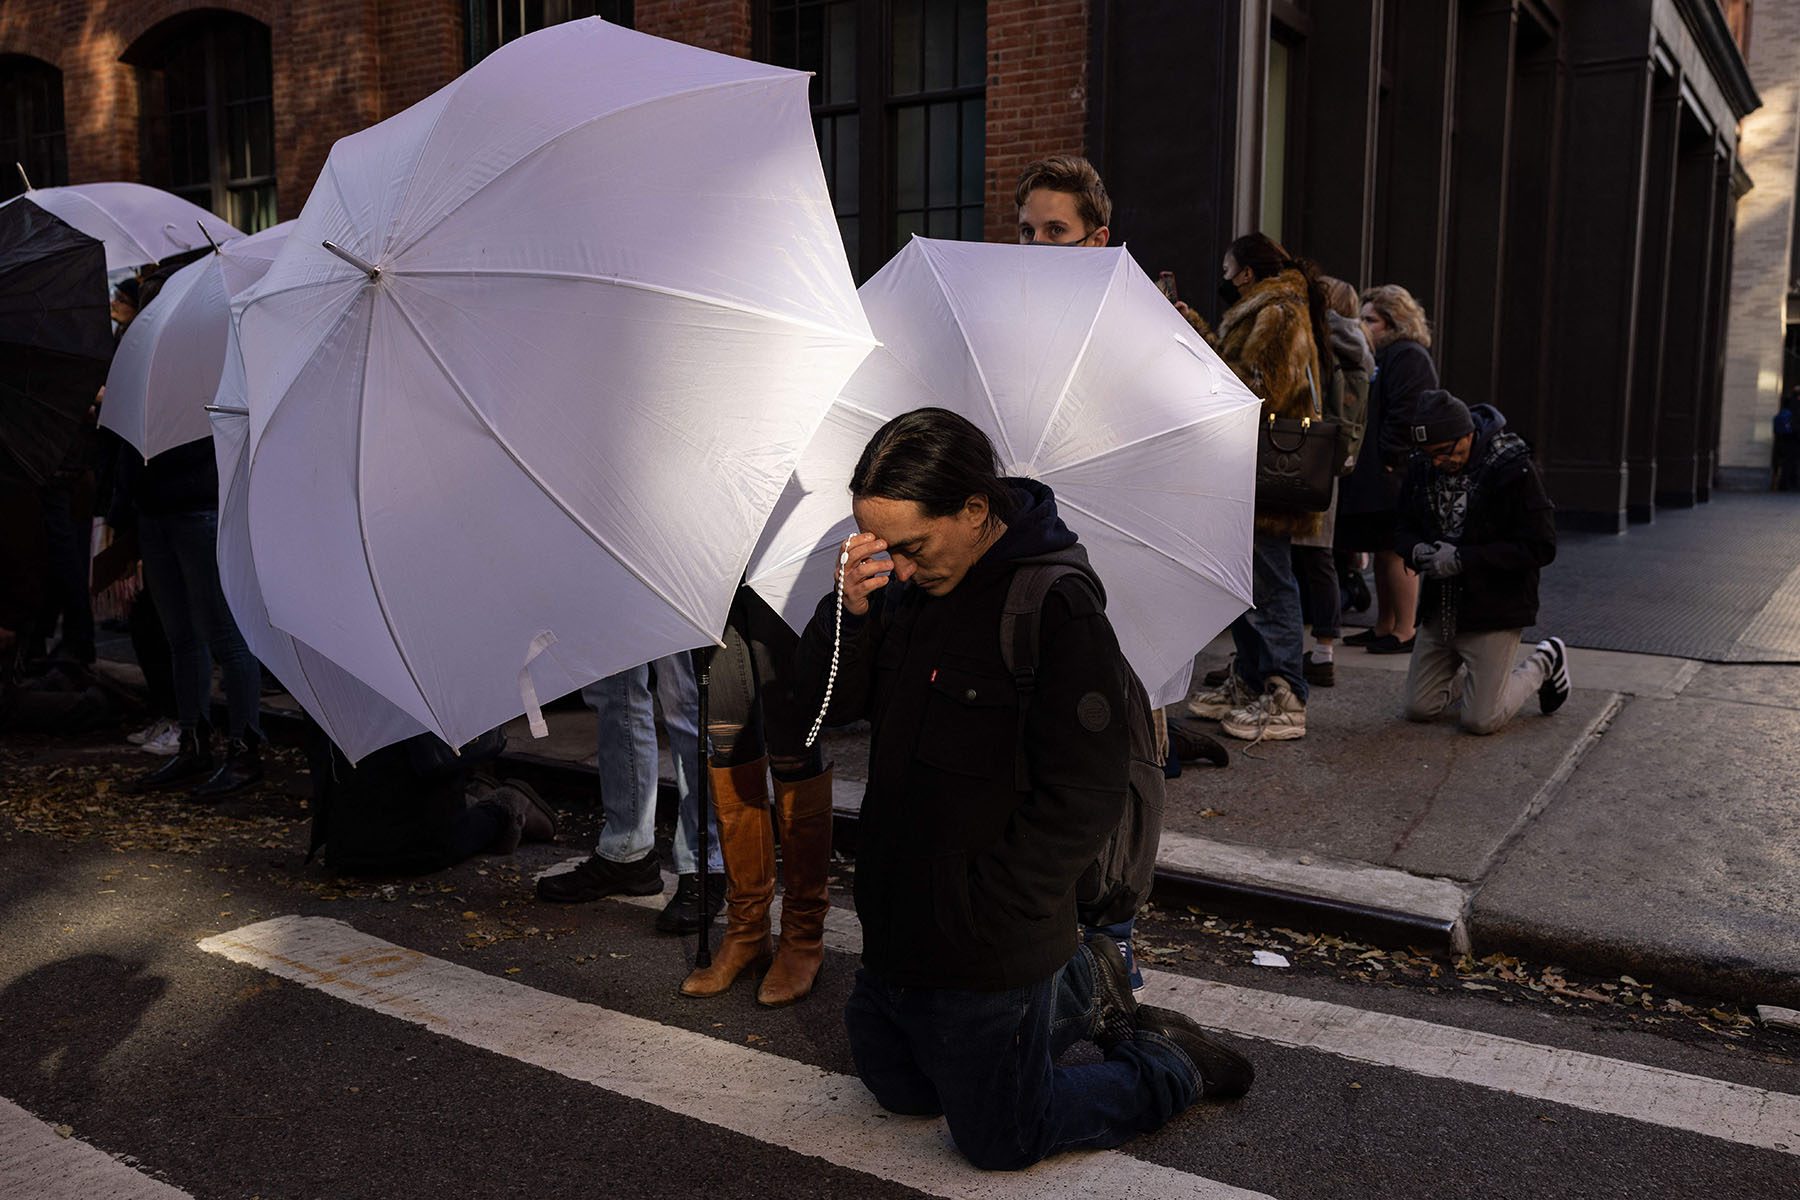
(703, 805)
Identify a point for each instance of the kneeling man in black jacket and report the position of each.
(974, 980)
(1476, 523)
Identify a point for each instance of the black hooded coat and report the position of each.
(962, 879)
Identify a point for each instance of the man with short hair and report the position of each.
(1062, 202)
(974, 978)
(1475, 521)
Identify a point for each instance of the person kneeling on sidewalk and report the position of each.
(1475, 521)
(974, 979)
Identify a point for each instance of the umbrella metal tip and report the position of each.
(361, 264)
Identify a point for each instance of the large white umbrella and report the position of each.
(138, 224)
(521, 427)
(355, 718)
(1084, 376)
(166, 369)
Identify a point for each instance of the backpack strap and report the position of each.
(1020, 621)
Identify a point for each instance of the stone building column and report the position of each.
(1769, 149)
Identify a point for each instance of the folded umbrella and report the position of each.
(55, 338)
(535, 365)
(168, 363)
(138, 224)
(1085, 378)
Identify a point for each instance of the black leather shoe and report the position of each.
(599, 877)
(1224, 1073)
(1363, 638)
(682, 913)
(193, 760)
(1191, 744)
(1319, 672)
(1387, 643)
(1118, 1008)
(241, 769)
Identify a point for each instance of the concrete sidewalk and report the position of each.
(1650, 827)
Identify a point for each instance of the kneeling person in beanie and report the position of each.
(1476, 523)
(974, 977)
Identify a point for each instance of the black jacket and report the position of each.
(962, 880)
(1403, 369)
(1509, 533)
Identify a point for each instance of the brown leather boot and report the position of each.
(741, 798)
(804, 810)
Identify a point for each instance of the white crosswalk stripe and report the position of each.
(39, 1162)
(1615, 1087)
(776, 1100)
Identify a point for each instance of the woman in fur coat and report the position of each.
(1273, 324)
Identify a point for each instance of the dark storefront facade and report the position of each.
(1555, 182)
(1554, 179)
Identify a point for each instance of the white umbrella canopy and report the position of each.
(1084, 376)
(355, 718)
(138, 224)
(605, 306)
(166, 369)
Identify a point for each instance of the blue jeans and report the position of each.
(181, 569)
(1271, 637)
(987, 1062)
(628, 761)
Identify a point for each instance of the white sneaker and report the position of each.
(1275, 716)
(1219, 702)
(140, 736)
(1555, 688)
(166, 743)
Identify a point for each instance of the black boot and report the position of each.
(193, 760)
(241, 768)
(682, 913)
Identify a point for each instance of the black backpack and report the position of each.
(1117, 884)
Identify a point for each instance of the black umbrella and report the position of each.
(55, 337)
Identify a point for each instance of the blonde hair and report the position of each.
(1402, 313)
(1075, 175)
(1340, 297)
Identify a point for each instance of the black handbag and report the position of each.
(1296, 461)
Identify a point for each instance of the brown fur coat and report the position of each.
(1266, 337)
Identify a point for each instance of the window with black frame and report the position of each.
(491, 24)
(31, 125)
(899, 108)
(208, 116)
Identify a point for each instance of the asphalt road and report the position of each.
(267, 1078)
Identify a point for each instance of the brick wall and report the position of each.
(341, 65)
(421, 50)
(1036, 95)
(721, 25)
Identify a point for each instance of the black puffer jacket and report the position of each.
(962, 880)
(1509, 533)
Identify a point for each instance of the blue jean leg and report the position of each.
(628, 760)
(987, 1060)
(182, 570)
(1271, 638)
(627, 763)
(678, 696)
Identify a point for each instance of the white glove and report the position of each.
(1439, 560)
